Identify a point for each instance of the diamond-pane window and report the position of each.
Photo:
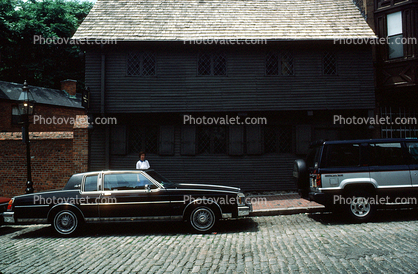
(277, 139)
(272, 63)
(143, 139)
(141, 64)
(219, 64)
(148, 61)
(204, 64)
(330, 63)
(151, 140)
(287, 63)
(203, 140)
(211, 64)
(211, 140)
(134, 64)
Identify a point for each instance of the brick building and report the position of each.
(59, 147)
(395, 63)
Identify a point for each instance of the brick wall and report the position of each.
(55, 156)
(47, 112)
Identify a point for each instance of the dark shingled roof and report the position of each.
(11, 91)
(183, 20)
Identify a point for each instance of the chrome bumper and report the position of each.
(244, 210)
(9, 217)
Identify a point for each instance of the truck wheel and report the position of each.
(360, 208)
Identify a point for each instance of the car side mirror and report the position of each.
(148, 188)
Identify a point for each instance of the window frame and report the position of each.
(394, 35)
(212, 140)
(141, 64)
(324, 55)
(84, 183)
(212, 56)
(280, 55)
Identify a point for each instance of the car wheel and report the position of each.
(202, 219)
(360, 208)
(65, 222)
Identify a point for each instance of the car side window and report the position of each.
(412, 149)
(342, 155)
(90, 183)
(126, 181)
(386, 154)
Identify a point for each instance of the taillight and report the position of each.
(318, 180)
(9, 205)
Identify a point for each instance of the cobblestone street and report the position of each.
(302, 243)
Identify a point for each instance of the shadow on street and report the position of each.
(138, 229)
(382, 216)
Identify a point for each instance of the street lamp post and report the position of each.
(26, 106)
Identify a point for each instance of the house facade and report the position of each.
(396, 63)
(224, 92)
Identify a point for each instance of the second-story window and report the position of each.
(394, 26)
(141, 64)
(279, 64)
(211, 64)
(286, 63)
(329, 62)
(272, 63)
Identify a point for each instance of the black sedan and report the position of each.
(126, 196)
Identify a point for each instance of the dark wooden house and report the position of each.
(154, 64)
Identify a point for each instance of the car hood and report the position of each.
(215, 188)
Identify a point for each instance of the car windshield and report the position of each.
(159, 178)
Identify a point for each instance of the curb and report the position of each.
(286, 211)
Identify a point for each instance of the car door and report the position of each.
(90, 195)
(124, 197)
(389, 168)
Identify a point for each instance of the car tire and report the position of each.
(202, 219)
(301, 175)
(65, 222)
(359, 207)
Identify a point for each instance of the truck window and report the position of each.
(386, 154)
(342, 155)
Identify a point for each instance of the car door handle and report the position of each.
(107, 193)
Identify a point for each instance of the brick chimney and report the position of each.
(70, 86)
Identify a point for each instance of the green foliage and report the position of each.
(23, 24)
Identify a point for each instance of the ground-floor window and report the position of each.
(218, 140)
(402, 122)
(144, 138)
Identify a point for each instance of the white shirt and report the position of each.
(142, 164)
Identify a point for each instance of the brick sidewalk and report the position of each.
(277, 204)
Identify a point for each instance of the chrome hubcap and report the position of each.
(202, 219)
(360, 206)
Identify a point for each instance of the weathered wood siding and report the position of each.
(177, 88)
(255, 172)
